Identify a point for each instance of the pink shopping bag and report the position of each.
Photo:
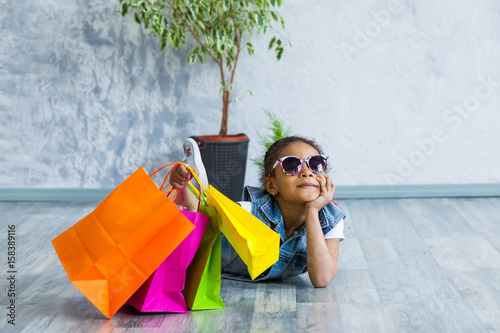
(162, 291)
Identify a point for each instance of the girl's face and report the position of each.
(301, 188)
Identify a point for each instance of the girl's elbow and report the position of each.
(322, 282)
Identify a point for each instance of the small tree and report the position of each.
(221, 29)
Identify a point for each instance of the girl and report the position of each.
(296, 202)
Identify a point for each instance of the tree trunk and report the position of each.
(225, 113)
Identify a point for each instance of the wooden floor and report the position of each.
(409, 265)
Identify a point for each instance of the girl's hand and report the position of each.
(177, 180)
(179, 176)
(327, 190)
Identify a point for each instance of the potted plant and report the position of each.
(221, 30)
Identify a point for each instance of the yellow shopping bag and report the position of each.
(256, 244)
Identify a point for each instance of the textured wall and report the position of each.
(396, 92)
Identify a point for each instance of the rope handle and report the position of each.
(200, 196)
(195, 176)
(202, 187)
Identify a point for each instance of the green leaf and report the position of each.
(279, 52)
(250, 48)
(163, 44)
(136, 18)
(259, 20)
(145, 19)
(157, 27)
(271, 43)
(204, 5)
(172, 35)
(124, 10)
(177, 43)
(191, 58)
(164, 35)
(192, 10)
(136, 3)
(208, 40)
(221, 45)
(231, 52)
(191, 17)
(175, 37)
(200, 24)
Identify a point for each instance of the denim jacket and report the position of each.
(292, 254)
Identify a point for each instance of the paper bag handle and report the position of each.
(200, 196)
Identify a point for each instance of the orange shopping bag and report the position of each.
(112, 251)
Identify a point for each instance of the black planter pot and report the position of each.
(225, 161)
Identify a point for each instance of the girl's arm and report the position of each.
(322, 255)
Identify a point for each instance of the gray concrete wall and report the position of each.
(396, 92)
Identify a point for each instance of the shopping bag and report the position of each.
(112, 251)
(203, 275)
(256, 244)
(162, 291)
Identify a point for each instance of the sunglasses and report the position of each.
(292, 165)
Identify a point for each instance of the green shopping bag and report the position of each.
(202, 287)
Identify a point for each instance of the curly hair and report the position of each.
(273, 153)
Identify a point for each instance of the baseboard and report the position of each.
(417, 191)
(53, 194)
(342, 192)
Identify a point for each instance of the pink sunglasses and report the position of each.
(292, 165)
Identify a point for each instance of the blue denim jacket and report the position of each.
(292, 255)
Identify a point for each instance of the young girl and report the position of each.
(296, 202)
